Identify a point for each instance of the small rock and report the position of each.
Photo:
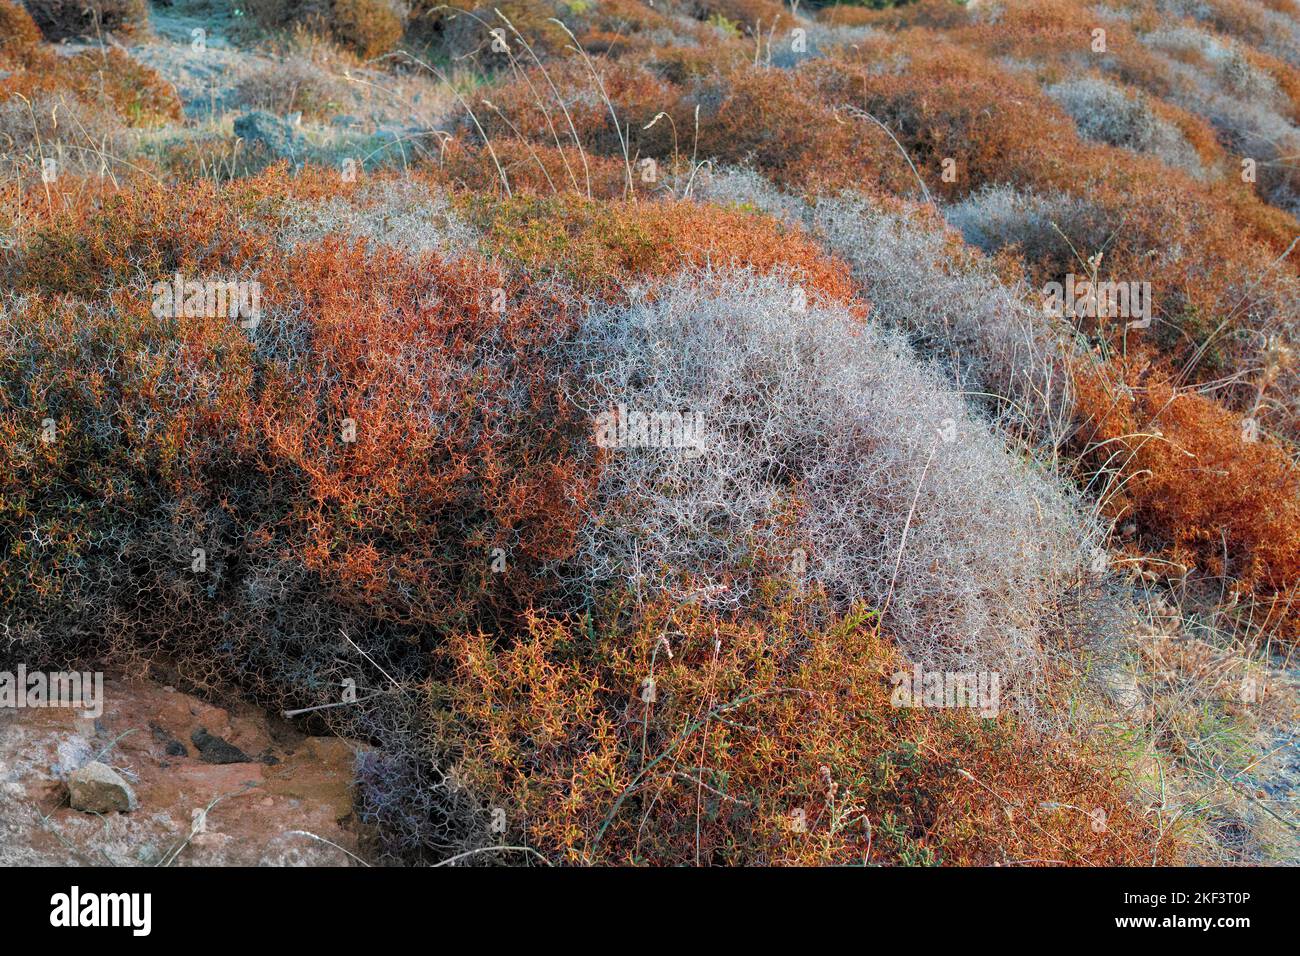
(213, 749)
(171, 746)
(97, 788)
(147, 854)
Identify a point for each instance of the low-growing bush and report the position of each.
(294, 84)
(106, 80)
(820, 441)
(18, 31)
(1202, 485)
(1206, 275)
(603, 248)
(750, 16)
(697, 738)
(71, 19)
(471, 32)
(1108, 114)
(956, 307)
(369, 28)
(74, 111)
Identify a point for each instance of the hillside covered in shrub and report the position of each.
(614, 416)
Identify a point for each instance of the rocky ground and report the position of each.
(209, 787)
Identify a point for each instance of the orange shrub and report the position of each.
(1202, 488)
(106, 79)
(369, 28)
(691, 739)
(1056, 37)
(136, 92)
(399, 505)
(849, 15)
(600, 247)
(628, 17)
(536, 169)
(683, 64)
(525, 106)
(18, 31)
(946, 103)
(149, 230)
(462, 441)
(780, 121)
(788, 128)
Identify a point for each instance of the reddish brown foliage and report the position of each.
(107, 79)
(1198, 484)
(601, 247)
(369, 28)
(18, 31)
(762, 740)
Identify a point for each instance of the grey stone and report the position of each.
(97, 788)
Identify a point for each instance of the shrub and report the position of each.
(945, 103)
(963, 549)
(1108, 114)
(1242, 97)
(70, 19)
(74, 110)
(407, 216)
(693, 738)
(775, 120)
(293, 84)
(18, 31)
(134, 91)
(525, 106)
(1205, 275)
(427, 21)
(988, 330)
(601, 249)
(77, 137)
(97, 91)
(1200, 489)
(1049, 37)
(952, 302)
(215, 156)
(370, 28)
(470, 33)
(785, 127)
(751, 15)
(535, 170)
